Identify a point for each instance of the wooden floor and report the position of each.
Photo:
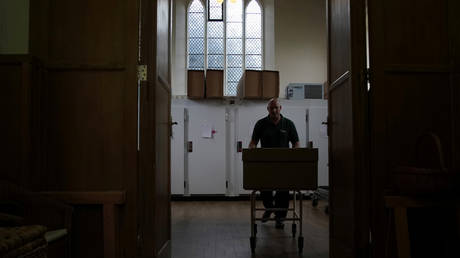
(204, 229)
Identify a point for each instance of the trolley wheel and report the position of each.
(300, 243)
(255, 229)
(294, 229)
(252, 241)
(314, 202)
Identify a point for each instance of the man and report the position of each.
(275, 131)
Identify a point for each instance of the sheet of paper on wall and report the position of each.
(323, 131)
(206, 130)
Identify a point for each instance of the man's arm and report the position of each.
(255, 136)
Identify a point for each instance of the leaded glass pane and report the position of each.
(254, 62)
(216, 61)
(196, 46)
(234, 30)
(195, 24)
(234, 46)
(215, 13)
(196, 6)
(253, 26)
(215, 29)
(231, 89)
(196, 62)
(234, 74)
(215, 46)
(234, 11)
(253, 7)
(253, 46)
(234, 60)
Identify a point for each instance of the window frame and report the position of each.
(205, 4)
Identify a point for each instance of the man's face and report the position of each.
(274, 109)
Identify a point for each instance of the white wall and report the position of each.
(294, 42)
(14, 26)
(301, 42)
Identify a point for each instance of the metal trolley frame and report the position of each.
(296, 217)
(280, 169)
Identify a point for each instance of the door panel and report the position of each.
(414, 63)
(162, 215)
(348, 173)
(154, 153)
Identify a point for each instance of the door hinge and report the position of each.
(142, 73)
(226, 184)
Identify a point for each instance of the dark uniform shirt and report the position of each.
(275, 136)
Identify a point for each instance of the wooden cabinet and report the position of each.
(270, 84)
(195, 84)
(259, 85)
(214, 84)
(250, 85)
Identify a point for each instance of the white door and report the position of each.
(177, 151)
(206, 162)
(317, 132)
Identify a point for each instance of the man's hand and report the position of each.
(252, 145)
(296, 145)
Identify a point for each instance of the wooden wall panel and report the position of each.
(416, 32)
(413, 53)
(409, 105)
(10, 111)
(21, 78)
(84, 114)
(87, 31)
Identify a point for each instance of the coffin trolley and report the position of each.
(269, 169)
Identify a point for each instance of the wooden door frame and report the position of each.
(361, 144)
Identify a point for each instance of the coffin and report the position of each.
(280, 168)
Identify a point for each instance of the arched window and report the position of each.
(233, 41)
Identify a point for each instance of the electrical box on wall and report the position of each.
(305, 91)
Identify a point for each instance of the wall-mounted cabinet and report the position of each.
(256, 84)
(195, 84)
(214, 84)
(250, 85)
(270, 84)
